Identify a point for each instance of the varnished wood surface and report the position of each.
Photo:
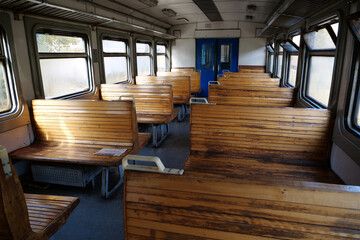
(95, 95)
(234, 129)
(194, 78)
(47, 212)
(30, 216)
(254, 69)
(160, 206)
(154, 103)
(181, 86)
(246, 74)
(244, 81)
(189, 69)
(253, 165)
(72, 131)
(251, 95)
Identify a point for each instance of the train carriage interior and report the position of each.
(179, 119)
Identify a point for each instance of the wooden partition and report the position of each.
(246, 74)
(194, 78)
(181, 85)
(181, 69)
(251, 95)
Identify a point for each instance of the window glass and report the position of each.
(161, 63)
(289, 47)
(320, 77)
(335, 28)
(5, 103)
(113, 46)
(142, 48)
(63, 76)
(296, 40)
(280, 59)
(292, 70)
(225, 53)
(269, 48)
(319, 40)
(281, 49)
(160, 49)
(271, 63)
(59, 44)
(67, 73)
(206, 56)
(143, 65)
(115, 69)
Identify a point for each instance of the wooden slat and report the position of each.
(251, 95)
(181, 86)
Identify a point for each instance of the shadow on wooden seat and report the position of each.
(29, 216)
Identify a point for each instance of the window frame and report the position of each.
(166, 54)
(18, 115)
(32, 26)
(144, 39)
(103, 34)
(278, 53)
(269, 68)
(288, 56)
(325, 23)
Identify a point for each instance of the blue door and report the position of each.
(213, 56)
(227, 55)
(206, 62)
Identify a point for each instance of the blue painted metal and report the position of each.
(206, 62)
(105, 191)
(232, 64)
(182, 112)
(164, 131)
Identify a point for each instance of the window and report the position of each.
(291, 47)
(8, 99)
(280, 62)
(225, 53)
(115, 60)
(143, 59)
(161, 57)
(270, 63)
(321, 46)
(64, 64)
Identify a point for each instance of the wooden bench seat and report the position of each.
(195, 79)
(73, 131)
(29, 216)
(181, 89)
(154, 104)
(252, 173)
(160, 206)
(251, 95)
(181, 69)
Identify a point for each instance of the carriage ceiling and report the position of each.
(156, 17)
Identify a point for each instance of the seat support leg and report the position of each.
(164, 131)
(182, 113)
(105, 192)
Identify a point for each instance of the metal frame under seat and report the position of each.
(164, 131)
(105, 192)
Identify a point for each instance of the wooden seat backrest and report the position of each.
(159, 206)
(251, 95)
(14, 218)
(91, 96)
(181, 85)
(180, 69)
(274, 82)
(194, 78)
(260, 130)
(87, 122)
(149, 99)
(245, 74)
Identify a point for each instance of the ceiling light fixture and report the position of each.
(150, 3)
(251, 8)
(249, 17)
(169, 12)
(183, 19)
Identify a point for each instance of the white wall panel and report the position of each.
(183, 53)
(252, 51)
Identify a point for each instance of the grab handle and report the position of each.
(160, 168)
